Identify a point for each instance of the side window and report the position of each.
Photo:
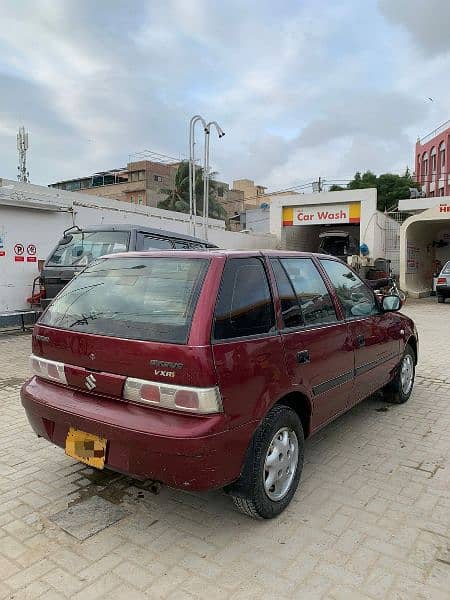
(149, 242)
(181, 245)
(290, 307)
(315, 301)
(244, 306)
(356, 298)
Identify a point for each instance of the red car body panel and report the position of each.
(194, 451)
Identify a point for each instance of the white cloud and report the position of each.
(301, 89)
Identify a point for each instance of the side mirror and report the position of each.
(65, 240)
(391, 303)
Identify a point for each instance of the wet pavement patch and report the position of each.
(87, 518)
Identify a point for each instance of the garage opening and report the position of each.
(305, 238)
(427, 250)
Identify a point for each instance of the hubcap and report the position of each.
(407, 374)
(280, 464)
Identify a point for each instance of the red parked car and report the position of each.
(208, 369)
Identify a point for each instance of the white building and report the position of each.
(424, 243)
(33, 218)
(298, 220)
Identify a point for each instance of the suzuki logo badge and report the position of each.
(90, 382)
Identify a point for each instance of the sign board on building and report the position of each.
(323, 214)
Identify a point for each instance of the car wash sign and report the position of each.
(323, 214)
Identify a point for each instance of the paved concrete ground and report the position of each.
(370, 520)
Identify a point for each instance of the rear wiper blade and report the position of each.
(84, 319)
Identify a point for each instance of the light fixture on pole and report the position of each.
(192, 194)
(220, 134)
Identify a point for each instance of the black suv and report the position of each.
(78, 247)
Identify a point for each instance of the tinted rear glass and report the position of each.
(446, 268)
(84, 247)
(134, 298)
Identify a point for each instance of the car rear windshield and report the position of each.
(85, 246)
(134, 298)
(446, 268)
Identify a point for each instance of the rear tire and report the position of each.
(273, 466)
(441, 299)
(400, 388)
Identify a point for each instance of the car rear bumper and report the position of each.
(443, 290)
(182, 451)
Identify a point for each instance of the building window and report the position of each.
(442, 156)
(140, 199)
(135, 176)
(131, 198)
(433, 160)
(220, 192)
(73, 185)
(141, 175)
(157, 178)
(425, 165)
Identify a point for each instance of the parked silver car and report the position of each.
(443, 283)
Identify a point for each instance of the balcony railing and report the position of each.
(434, 133)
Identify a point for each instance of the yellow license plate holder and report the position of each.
(86, 447)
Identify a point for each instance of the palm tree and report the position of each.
(178, 197)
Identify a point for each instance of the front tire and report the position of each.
(273, 466)
(400, 388)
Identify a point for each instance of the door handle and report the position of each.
(303, 357)
(361, 340)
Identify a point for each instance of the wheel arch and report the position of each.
(301, 404)
(413, 343)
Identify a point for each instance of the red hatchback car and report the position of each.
(209, 369)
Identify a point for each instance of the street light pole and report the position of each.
(192, 194)
(220, 134)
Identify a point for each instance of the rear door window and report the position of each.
(290, 305)
(244, 306)
(135, 298)
(356, 298)
(312, 293)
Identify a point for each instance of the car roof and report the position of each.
(218, 252)
(151, 230)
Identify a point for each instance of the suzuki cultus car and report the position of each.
(209, 369)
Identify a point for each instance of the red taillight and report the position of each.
(186, 399)
(48, 369)
(174, 397)
(442, 281)
(150, 393)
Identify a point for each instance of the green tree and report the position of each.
(178, 197)
(390, 187)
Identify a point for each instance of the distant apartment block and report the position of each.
(145, 182)
(252, 192)
(432, 162)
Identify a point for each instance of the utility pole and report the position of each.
(22, 146)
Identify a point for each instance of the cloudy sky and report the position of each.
(302, 87)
